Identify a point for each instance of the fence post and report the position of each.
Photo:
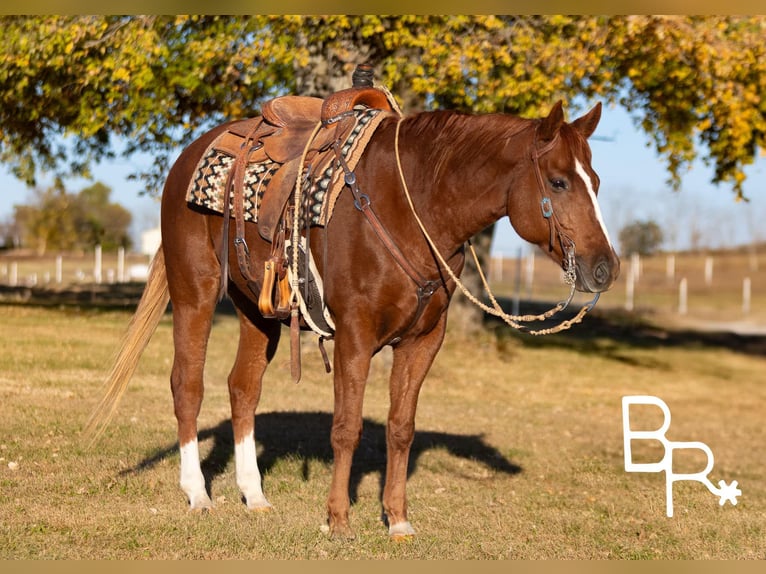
(496, 271)
(670, 268)
(682, 297)
(530, 272)
(97, 265)
(635, 264)
(120, 264)
(746, 293)
(708, 271)
(629, 288)
(517, 285)
(13, 279)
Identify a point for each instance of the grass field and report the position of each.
(518, 452)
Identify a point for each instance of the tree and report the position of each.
(99, 221)
(641, 237)
(48, 222)
(694, 84)
(64, 221)
(690, 82)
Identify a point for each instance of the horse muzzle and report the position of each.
(598, 277)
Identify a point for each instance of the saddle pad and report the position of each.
(323, 184)
(207, 187)
(327, 181)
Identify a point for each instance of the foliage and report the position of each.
(64, 221)
(156, 81)
(642, 237)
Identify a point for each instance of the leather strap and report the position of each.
(235, 194)
(426, 287)
(362, 203)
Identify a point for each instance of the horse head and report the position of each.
(556, 206)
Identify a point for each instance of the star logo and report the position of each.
(728, 492)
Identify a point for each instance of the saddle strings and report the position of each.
(296, 233)
(512, 320)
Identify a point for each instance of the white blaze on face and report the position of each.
(592, 194)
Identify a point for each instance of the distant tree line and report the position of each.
(641, 237)
(57, 220)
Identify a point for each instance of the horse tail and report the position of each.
(151, 308)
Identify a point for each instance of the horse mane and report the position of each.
(477, 138)
(474, 138)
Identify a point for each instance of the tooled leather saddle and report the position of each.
(263, 169)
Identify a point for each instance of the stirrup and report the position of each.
(265, 299)
(285, 293)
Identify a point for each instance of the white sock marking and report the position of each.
(248, 475)
(192, 480)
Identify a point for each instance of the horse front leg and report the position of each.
(351, 364)
(257, 345)
(411, 361)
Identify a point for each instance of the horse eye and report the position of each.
(559, 184)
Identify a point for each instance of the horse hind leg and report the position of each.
(191, 329)
(257, 345)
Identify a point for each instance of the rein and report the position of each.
(567, 245)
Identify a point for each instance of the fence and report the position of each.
(17, 270)
(727, 285)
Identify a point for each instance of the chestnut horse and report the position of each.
(462, 172)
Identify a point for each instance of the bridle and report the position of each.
(566, 243)
(567, 246)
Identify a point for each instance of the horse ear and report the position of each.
(586, 125)
(550, 125)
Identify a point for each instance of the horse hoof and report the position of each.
(338, 532)
(200, 504)
(260, 507)
(401, 532)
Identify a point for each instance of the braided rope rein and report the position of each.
(514, 321)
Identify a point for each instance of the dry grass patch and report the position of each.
(518, 452)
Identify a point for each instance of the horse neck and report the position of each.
(460, 168)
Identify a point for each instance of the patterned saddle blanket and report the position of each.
(322, 177)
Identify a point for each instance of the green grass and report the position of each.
(518, 453)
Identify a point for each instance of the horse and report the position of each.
(434, 179)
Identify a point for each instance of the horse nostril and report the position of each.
(601, 273)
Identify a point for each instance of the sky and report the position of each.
(633, 187)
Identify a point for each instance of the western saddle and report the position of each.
(292, 131)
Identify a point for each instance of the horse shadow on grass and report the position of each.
(305, 436)
(609, 332)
